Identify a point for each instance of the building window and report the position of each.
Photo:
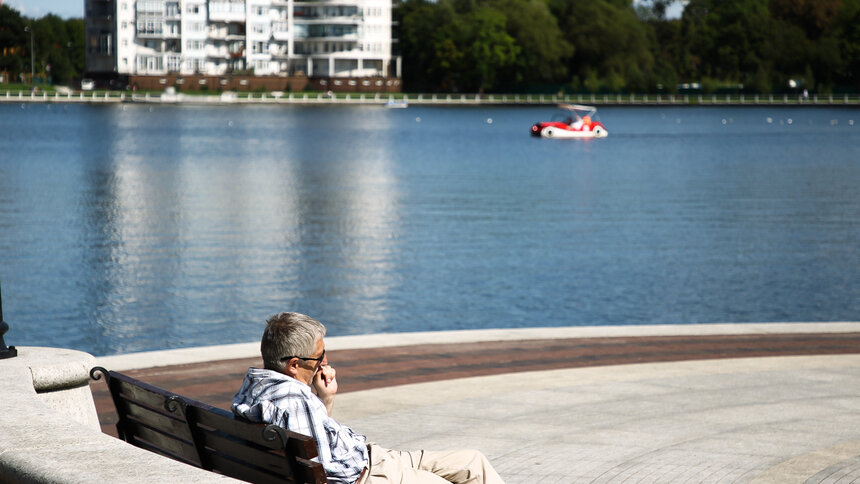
(148, 26)
(174, 63)
(280, 27)
(151, 6)
(227, 7)
(194, 65)
(148, 63)
(104, 44)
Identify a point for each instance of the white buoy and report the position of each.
(789, 121)
(769, 120)
(489, 120)
(724, 121)
(418, 119)
(230, 123)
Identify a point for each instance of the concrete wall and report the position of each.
(49, 430)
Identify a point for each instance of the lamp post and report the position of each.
(4, 351)
(32, 69)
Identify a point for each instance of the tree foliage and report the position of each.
(58, 47)
(616, 46)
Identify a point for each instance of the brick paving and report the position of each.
(216, 381)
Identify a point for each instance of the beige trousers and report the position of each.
(427, 467)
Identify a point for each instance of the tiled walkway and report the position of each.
(689, 408)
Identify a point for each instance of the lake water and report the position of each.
(132, 227)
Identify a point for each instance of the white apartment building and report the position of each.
(316, 38)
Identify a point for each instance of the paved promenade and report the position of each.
(700, 403)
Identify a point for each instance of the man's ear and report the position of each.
(291, 367)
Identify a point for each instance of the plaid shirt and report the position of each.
(272, 397)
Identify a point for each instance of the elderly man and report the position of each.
(296, 390)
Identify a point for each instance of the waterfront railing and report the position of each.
(430, 99)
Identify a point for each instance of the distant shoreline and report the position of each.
(278, 98)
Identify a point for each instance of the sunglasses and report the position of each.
(322, 357)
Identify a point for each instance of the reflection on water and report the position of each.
(127, 228)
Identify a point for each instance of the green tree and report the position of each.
(75, 31)
(727, 40)
(418, 23)
(665, 49)
(542, 47)
(52, 49)
(14, 44)
(847, 31)
(815, 17)
(609, 40)
(59, 46)
(449, 45)
(490, 50)
(454, 44)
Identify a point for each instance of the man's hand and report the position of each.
(325, 386)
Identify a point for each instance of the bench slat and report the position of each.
(156, 420)
(227, 423)
(161, 443)
(297, 444)
(310, 471)
(214, 444)
(232, 468)
(137, 391)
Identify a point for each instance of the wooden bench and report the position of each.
(208, 437)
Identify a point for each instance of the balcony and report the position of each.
(310, 13)
(280, 31)
(281, 52)
(326, 31)
(328, 36)
(226, 16)
(236, 50)
(226, 11)
(213, 52)
(150, 34)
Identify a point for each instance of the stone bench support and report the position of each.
(49, 430)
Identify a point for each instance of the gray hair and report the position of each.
(289, 334)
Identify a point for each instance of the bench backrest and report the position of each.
(209, 437)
